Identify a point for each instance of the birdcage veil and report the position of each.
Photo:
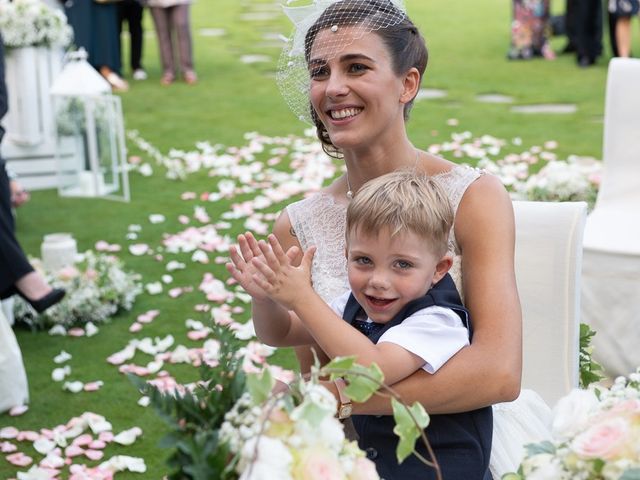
(361, 16)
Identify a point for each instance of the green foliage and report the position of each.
(260, 386)
(194, 418)
(590, 370)
(542, 447)
(410, 421)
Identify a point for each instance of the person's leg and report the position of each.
(13, 262)
(623, 36)
(182, 27)
(136, 34)
(163, 32)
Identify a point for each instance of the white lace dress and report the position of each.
(318, 220)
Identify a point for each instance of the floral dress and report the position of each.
(530, 29)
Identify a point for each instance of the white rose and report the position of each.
(571, 414)
(264, 458)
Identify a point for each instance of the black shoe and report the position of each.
(585, 61)
(49, 300)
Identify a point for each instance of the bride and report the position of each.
(359, 64)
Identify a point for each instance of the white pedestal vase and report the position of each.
(29, 144)
(58, 250)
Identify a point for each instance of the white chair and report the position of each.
(611, 271)
(547, 263)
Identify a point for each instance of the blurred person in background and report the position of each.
(131, 11)
(623, 10)
(584, 29)
(171, 17)
(530, 30)
(95, 28)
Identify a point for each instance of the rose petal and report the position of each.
(9, 432)
(135, 327)
(75, 332)
(94, 454)
(19, 459)
(62, 357)
(8, 447)
(18, 410)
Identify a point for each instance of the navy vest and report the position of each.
(461, 441)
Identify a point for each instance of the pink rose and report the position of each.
(605, 440)
(364, 469)
(318, 464)
(68, 273)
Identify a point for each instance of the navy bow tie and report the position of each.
(368, 328)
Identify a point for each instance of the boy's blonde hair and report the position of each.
(402, 201)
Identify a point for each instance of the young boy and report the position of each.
(397, 237)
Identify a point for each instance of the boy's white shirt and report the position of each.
(434, 334)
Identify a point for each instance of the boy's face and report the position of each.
(386, 273)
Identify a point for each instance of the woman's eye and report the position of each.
(358, 68)
(317, 72)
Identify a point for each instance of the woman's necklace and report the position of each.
(349, 189)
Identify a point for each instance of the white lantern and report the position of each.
(90, 148)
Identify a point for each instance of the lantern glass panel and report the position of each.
(91, 154)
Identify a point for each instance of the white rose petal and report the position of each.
(62, 357)
(58, 330)
(59, 374)
(156, 218)
(90, 329)
(73, 387)
(153, 288)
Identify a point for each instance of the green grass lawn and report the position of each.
(468, 42)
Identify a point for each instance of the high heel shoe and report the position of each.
(49, 300)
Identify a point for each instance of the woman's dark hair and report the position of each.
(401, 37)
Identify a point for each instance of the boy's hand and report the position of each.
(242, 268)
(278, 277)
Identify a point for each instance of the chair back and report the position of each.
(621, 141)
(614, 224)
(548, 261)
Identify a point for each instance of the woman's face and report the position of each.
(355, 93)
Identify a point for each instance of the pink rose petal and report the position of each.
(9, 432)
(75, 332)
(7, 447)
(82, 440)
(93, 386)
(28, 435)
(197, 334)
(94, 454)
(105, 437)
(97, 445)
(134, 328)
(73, 451)
(19, 459)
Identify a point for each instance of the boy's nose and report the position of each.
(379, 280)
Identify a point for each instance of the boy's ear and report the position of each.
(442, 267)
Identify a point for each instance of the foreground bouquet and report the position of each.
(294, 435)
(31, 23)
(290, 440)
(97, 288)
(596, 436)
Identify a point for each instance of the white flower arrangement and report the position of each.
(32, 23)
(596, 436)
(302, 442)
(97, 288)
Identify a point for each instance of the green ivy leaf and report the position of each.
(406, 428)
(363, 381)
(313, 414)
(260, 385)
(511, 476)
(338, 365)
(631, 474)
(538, 448)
